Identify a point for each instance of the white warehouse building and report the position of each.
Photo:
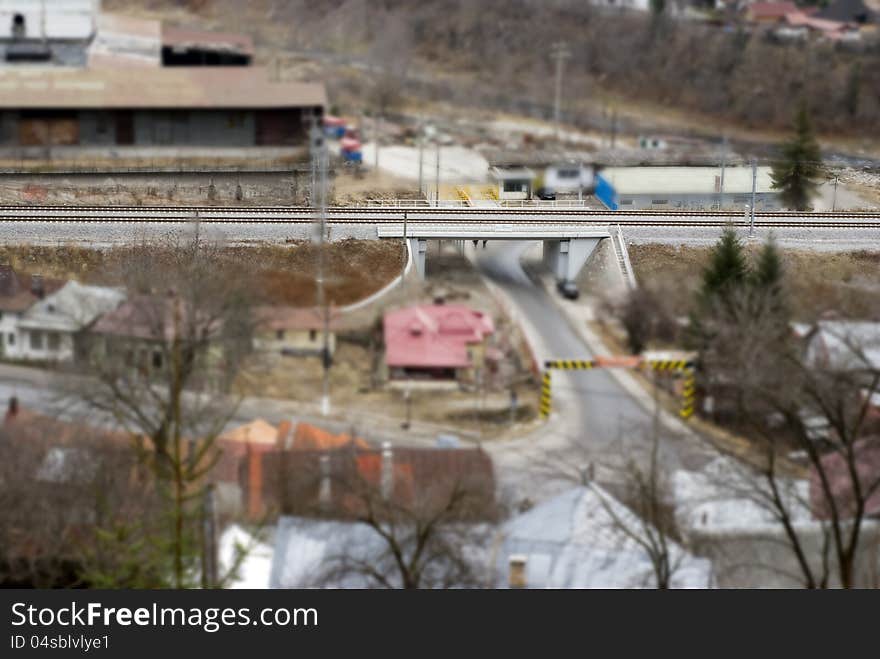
(685, 188)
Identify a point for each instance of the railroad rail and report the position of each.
(558, 211)
(559, 217)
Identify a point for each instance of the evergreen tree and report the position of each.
(796, 172)
(727, 267)
(726, 272)
(768, 270)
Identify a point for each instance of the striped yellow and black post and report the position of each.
(545, 395)
(669, 364)
(688, 394)
(569, 364)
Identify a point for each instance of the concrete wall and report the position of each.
(290, 187)
(704, 201)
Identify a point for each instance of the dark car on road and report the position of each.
(568, 289)
(546, 194)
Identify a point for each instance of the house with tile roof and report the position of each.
(436, 341)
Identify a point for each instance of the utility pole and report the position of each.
(377, 123)
(437, 191)
(834, 196)
(320, 147)
(405, 255)
(421, 155)
(559, 51)
(754, 186)
(723, 164)
(613, 126)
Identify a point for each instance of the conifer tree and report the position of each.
(796, 173)
(727, 267)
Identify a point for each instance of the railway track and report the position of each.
(431, 215)
(385, 211)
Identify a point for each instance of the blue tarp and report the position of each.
(606, 193)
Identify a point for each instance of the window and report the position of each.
(18, 26)
(11, 339)
(313, 335)
(54, 341)
(102, 123)
(514, 186)
(36, 340)
(569, 173)
(157, 360)
(279, 334)
(659, 202)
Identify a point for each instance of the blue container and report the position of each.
(352, 156)
(606, 193)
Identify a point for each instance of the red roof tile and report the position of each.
(434, 336)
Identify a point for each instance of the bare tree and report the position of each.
(413, 531)
(60, 484)
(161, 365)
(779, 393)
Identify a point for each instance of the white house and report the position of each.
(18, 293)
(49, 329)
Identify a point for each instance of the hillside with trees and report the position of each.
(495, 53)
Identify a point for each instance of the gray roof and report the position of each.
(304, 548)
(846, 344)
(571, 541)
(71, 308)
(307, 549)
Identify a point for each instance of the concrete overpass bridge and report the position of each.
(567, 247)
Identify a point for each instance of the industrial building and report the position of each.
(78, 81)
(179, 106)
(685, 188)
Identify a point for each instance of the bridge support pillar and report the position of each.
(418, 247)
(565, 258)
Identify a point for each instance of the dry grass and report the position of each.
(355, 268)
(848, 283)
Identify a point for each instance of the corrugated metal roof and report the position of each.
(684, 180)
(161, 88)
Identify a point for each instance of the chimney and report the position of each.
(12, 410)
(387, 477)
(254, 482)
(324, 491)
(37, 287)
(517, 573)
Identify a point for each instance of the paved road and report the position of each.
(600, 420)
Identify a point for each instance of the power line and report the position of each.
(560, 52)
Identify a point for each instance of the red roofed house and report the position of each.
(840, 481)
(338, 483)
(435, 341)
